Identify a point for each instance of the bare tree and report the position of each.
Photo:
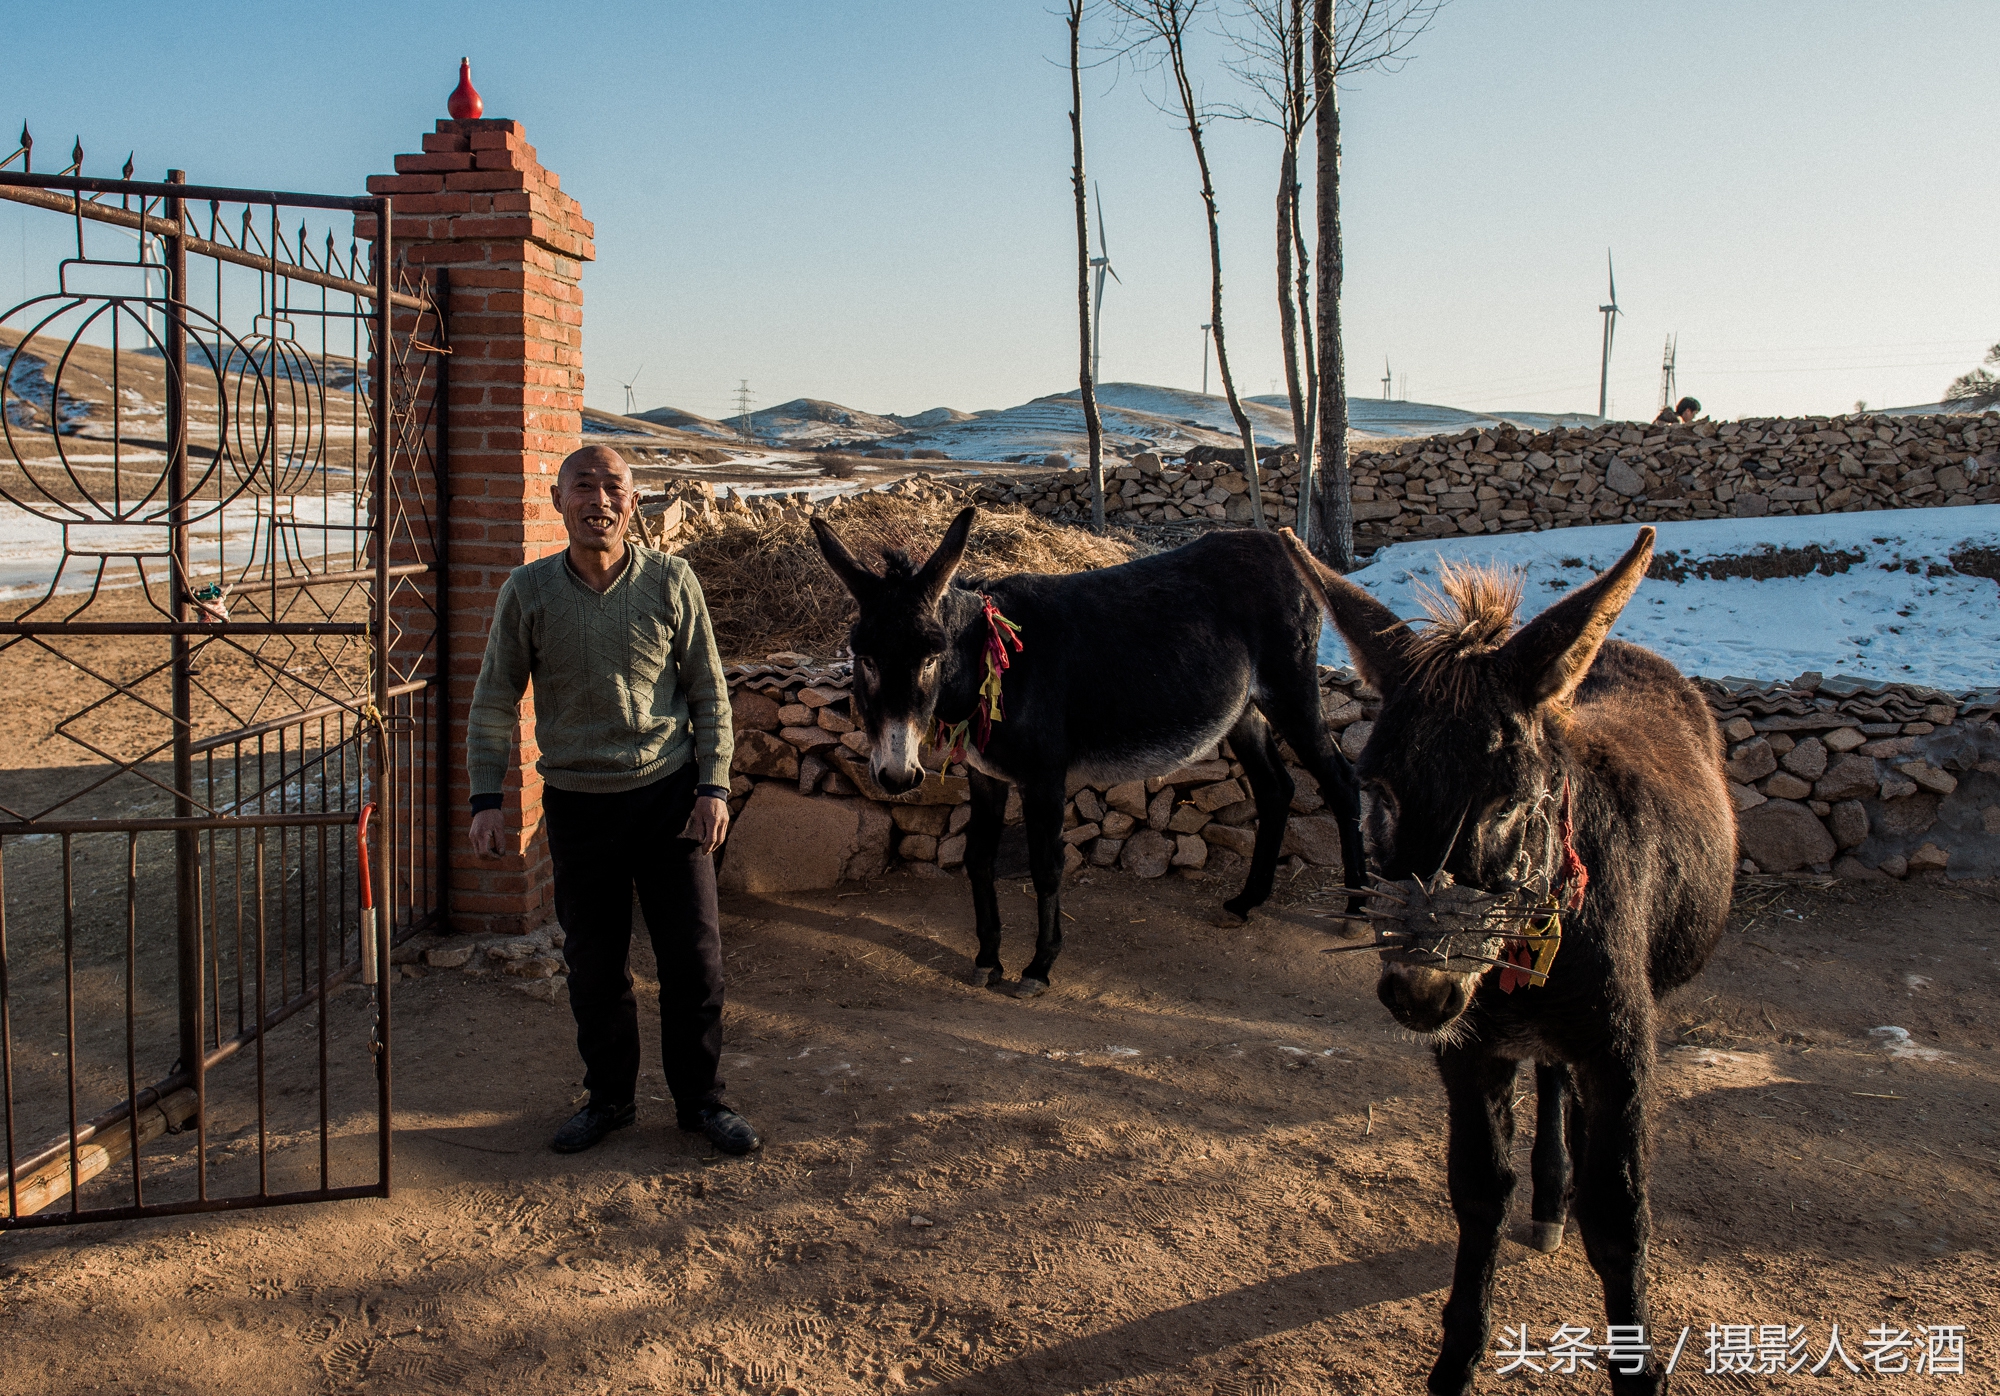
(1093, 424)
(1270, 36)
(1160, 31)
(1978, 389)
(1348, 36)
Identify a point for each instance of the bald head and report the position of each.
(591, 457)
(593, 493)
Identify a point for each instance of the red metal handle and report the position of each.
(361, 837)
(370, 949)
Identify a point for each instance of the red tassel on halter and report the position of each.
(988, 708)
(1575, 876)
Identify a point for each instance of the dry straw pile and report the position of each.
(768, 588)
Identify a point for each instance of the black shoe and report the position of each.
(726, 1129)
(590, 1124)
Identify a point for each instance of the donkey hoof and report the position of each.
(1030, 988)
(984, 976)
(1546, 1236)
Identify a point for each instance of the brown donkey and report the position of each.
(1547, 812)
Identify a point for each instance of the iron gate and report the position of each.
(221, 583)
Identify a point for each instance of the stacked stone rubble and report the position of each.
(1826, 774)
(1834, 775)
(1504, 480)
(1148, 489)
(796, 725)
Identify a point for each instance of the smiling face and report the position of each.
(593, 492)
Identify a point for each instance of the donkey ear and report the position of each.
(861, 583)
(1549, 656)
(1375, 637)
(937, 572)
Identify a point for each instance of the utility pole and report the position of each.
(1204, 358)
(743, 407)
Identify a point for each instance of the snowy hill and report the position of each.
(646, 432)
(1928, 409)
(1881, 615)
(935, 417)
(1055, 424)
(687, 421)
(806, 422)
(1374, 417)
(1269, 425)
(1137, 417)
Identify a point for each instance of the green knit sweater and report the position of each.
(628, 684)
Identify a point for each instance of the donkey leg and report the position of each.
(1251, 740)
(1042, 811)
(982, 841)
(1611, 1208)
(1551, 1167)
(1293, 708)
(1479, 1090)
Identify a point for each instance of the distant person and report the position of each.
(1680, 414)
(632, 719)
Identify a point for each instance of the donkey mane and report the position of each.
(1472, 612)
(898, 566)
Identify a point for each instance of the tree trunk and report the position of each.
(1193, 112)
(1288, 306)
(1333, 531)
(1092, 424)
(1305, 409)
(1309, 443)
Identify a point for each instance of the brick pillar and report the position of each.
(476, 203)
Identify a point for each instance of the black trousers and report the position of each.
(603, 846)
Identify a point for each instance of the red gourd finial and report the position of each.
(465, 103)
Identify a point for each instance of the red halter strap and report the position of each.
(1575, 876)
(988, 704)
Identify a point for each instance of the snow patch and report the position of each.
(1885, 619)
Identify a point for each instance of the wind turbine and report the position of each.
(631, 403)
(1387, 378)
(1611, 314)
(1102, 264)
(1204, 358)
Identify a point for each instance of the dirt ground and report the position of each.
(1206, 1162)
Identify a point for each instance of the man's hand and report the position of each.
(488, 827)
(709, 823)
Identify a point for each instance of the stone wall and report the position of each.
(1515, 481)
(1827, 776)
(1148, 489)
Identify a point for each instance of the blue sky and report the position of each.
(869, 202)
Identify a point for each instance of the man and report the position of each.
(1680, 414)
(632, 719)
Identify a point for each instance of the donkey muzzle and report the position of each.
(895, 764)
(1439, 926)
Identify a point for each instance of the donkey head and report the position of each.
(899, 642)
(1461, 774)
